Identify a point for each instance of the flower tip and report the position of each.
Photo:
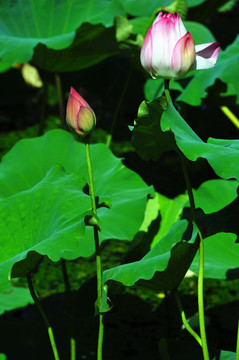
(73, 92)
(160, 16)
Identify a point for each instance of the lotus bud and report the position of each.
(79, 115)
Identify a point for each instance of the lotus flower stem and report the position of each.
(237, 349)
(43, 108)
(68, 293)
(200, 298)
(201, 245)
(43, 314)
(60, 100)
(110, 135)
(201, 261)
(184, 319)
(230, 116)
(166, 90)
(97, 250)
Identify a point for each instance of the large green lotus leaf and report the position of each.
(45, 219)
(221, 254)
(92, 44)
(26, 23)
(14, 297)
(148, 138)
(225, 70)
(222, 155)
(163, 267)
(30, 159)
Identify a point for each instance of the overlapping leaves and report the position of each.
(156, 270)
(61, 36)
(217, 214)
(148, 139)
(161, 126)
(44, 219)
(164, 266)
(44, 200)
(221, 154)
(26, 23)
(92, 43)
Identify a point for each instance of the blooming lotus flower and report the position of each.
(79, 115)
(169, 51)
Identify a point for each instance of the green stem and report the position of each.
(90, 175)
(97, 251)
(232, 117)
(166, 90)
(201, 247)
(237, 349)
(68, 293)
(201, 261)
(184, 319)
(188, 184)
(110, 135)
(66, 279)
(43, 108)
(200, 298)
(43, 314)
(60, 100)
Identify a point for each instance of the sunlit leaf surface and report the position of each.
(44, 199)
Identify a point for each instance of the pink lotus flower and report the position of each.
(79, 115)
(169, 51)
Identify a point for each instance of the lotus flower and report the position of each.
(79, 115)
(169, 51)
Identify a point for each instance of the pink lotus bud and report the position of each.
(169, 51)
(79, 115)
